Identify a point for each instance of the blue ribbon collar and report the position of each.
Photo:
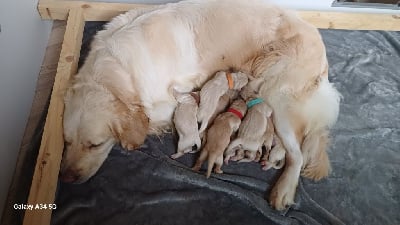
(254, 102)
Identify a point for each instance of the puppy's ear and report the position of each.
(130, 126)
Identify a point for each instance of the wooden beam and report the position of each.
(44, 182)
(102, 11)
(352, 21)
(94, 11)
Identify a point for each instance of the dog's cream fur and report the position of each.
(219, 136)
(122, 92)
(185, 122)
(211, 93)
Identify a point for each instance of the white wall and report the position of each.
(23, 40)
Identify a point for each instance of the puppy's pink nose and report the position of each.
(69, 176)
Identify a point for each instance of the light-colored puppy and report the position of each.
(185, 122)
(275, 157)
(223, 103)
(252, 130)
(212, 91)
(219, 136)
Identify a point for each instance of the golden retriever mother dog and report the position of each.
(122, 92)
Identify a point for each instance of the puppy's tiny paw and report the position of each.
(238, 156)
(266, 165)
(177, 155)
(197, 166)
(219, 171)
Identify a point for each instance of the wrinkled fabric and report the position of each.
(146, 187)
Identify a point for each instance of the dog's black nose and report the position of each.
(69, 176)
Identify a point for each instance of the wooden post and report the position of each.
(352, 21)
(44, 182)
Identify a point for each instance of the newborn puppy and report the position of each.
(223, 103)
(186, 122)
(212, 91)
(219, 136)
(252, 130)
(275, 157)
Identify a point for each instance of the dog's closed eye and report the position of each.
(93, 146)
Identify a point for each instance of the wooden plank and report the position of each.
(44, 182)
(22, 178)
(94, 11)
(102, 11)
(352, 21)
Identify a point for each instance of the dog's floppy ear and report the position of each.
(130, 126)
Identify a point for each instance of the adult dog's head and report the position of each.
(97, 115)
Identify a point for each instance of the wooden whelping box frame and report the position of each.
(44, 182)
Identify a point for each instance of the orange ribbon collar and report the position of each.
(230, 80)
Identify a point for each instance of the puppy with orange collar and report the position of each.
(212, 91)
(219, 136)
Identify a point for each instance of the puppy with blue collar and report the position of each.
(247, 146)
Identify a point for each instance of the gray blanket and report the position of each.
(146, 187)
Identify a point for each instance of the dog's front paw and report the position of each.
(282, 195)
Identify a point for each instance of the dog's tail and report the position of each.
(316, 160)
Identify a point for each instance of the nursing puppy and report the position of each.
(213, 90)
(219, 136)
(252, 130)
(274, 156)
(185, 122)
(223, 102)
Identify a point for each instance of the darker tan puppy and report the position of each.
(219, 136)
(213, 90)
